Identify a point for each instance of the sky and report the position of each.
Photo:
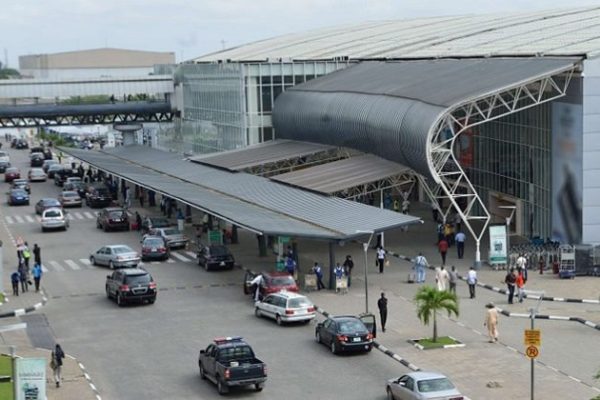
(191, 28)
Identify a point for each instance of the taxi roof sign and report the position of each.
(221, 340)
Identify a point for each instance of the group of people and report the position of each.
(23, 274)
(340, 271)
(516, 279)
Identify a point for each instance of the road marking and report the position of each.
(85, 261)
(170, 261)
(57, 266)
(191, 254)
(44, 269)
(180, 257)
(70, 216)
(9, 219)
(38, 218)
(89, 215)
(73, 264)
(29, 218)
(79, 216)
(19, 219)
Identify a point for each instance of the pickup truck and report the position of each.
(231, 362)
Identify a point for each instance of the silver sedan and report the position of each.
(172, 236)
(422, 386)
(115, 256)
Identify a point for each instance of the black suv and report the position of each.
(131, 285)
(36, 159)
(61, 176)
(215, 256)
(112, 218)
(97, 196)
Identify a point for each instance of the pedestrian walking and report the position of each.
(443, 248)
(434, 211)
(290, 266)
(56, 363)
(405, 206)
(510, 281)
(127, 198)
(453, 278)
(380, 258)
(37, 275)
(460, 243)
(23, 277)
(339, 276)
(420, 266)
(319, 274)
(163, 207)
(37, 254)
(520, 284)
(383, 310)
(141, 198)
(441, 278)
(15, 278)
(472, 281)
(348, 265)
(491, 322)
(151, 198)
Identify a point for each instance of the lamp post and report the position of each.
(365, 249)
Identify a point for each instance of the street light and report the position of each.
(365, 249)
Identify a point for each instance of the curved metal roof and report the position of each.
(573, 31)
(389, 108)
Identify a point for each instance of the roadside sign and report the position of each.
(532, 352)
(532, 337)
(215, 237)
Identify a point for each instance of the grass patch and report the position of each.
(6, 388)
(442, 341)
(2, 298)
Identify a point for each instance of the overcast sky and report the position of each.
(191, 28)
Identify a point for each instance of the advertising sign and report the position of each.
(498, 251)
(30, 378)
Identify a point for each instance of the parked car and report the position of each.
(36, 149)
(53, 169)
(48, 163)
(4, 156)
(36, 175)
(36, 159)
(115, 256)
(97, 196)
(285, 307)
(112, 218)
(151, 222)
(73, 179)
(172, 236)
(78, 187)
(70, 198)
(272, 282)
(18, 197)
(46, 203)
(215, 256)
(21, 144)
(21, 184)
(154, 247)
(344, 333)
(231, 362)
(61, 175)
(11, 174)
(131, 285)
(4, 165)
(54, 218)
(422, 385)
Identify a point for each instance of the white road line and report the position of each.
(78, 215)
(70, 217)
(170, 261)
(19, 219)
(180, 257)
(9, 219)
(89, 215)
(38, 218)
(85, 261)
(44, 269)
(29, 218)
(191, 254)
(57, 266)
(73, 264)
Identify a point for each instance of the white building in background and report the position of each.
(94, 63)
(228, 98)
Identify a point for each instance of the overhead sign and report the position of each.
(498, 251)
(532, 337)
(532, 351)
(30, 378)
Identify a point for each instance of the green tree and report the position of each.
(7, 73)
(429, 301)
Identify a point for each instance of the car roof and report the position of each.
(148, 237)
(69, 193)
(343, 317)
(48, 199)
(420, 375)
(36, 170)
(18, 189)
(110, 209)
(53, 209)
(275, 274)
(288, 295)
(112, 246)
(134, 271)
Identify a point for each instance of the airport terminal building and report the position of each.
(494, 113)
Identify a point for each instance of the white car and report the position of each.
(422, 386)
(36, 175)
(115, 256)
(4, 156)
(54, 218)
(285, 307)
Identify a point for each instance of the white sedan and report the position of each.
(422, 386)
(285, 307)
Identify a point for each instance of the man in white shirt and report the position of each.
(256, 283)
(380, 258)
(441, 278)
(420, 265)
(472, 281)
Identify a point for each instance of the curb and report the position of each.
(87, 378)
(446, 346)
(23, 311)
(589, 324)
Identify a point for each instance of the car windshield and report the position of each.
(434, 385)
(351, 326)
(70, 194)
(219, 251)
(18, 192)
(235, 353)
(154, 242)
(102, 191)
(159, 222)
(51, 202)
(116, 214)
(299, 302)
(55, 167)
(138, 279)
(281, 281)
(170, 232)
(52, 213)
(121, 250)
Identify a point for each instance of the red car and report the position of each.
(272, 282)
(11, 174)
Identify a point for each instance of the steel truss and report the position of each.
(94, 119)
(404, 181)
(296, 163)
(449, 179)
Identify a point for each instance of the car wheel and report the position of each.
(318, 337)
(202, 373)
(43, 229)
(390, 395)
(105, 228)
(333, 347)
(120, 301)
(111, 265)
(278, 320)
(151, 301)
(257, 312)
(221, 387)
(93, 260)
(258, 387)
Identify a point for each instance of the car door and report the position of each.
(265, 306)
(209, 366)
(202, 255)
(404, 389)
(113, 283)
(326, 331)
(102, 258)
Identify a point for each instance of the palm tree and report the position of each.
(430, 300)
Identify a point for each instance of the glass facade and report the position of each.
(512, 156)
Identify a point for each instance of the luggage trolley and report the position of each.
(566, 269)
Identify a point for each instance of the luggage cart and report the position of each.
(341, 285)
(566, 269)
